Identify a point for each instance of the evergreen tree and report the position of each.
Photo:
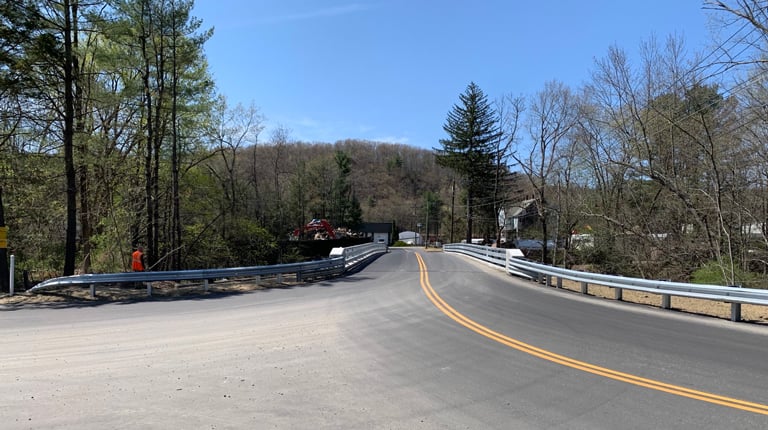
(341, 190)
(473, 129)
(19, 27)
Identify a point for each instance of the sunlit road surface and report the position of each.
(416, 340)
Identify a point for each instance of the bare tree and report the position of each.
(279, 140)
(509, 109)
(552, 115)
(234, 129)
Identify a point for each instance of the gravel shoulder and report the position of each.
(121, 293)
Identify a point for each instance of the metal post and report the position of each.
(584, 288)
(735, 312)
(10, 280)
(618, 294)
(93, 291)
(149, 289)
(666, 301)
(559, 282)
(205, 285)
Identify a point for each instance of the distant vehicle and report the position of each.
(533, 244)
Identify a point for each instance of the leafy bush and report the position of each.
(712, 273)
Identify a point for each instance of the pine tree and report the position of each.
(473, 128)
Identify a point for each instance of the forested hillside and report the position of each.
(236, 203)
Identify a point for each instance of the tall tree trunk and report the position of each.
(175, 240)
(70, 247)
(148, 100)
(158, 51)
(86, 230)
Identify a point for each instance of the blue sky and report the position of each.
(390, 70)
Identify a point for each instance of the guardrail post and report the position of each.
(12, 268)
(559, 282)
(666, 301)
(93, 291)
(735, 312)
(618, 294)
(584, 288)
(298, 276)
(149, 289)
(279, 278)
(548, 280)
(205, 285)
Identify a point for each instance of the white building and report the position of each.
(410, 237)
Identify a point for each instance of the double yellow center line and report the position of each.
(576, 364)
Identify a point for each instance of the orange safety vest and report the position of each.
(137, 264)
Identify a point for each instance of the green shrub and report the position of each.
(711, 273)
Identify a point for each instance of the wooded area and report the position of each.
(112, 136)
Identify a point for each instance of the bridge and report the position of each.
(415, 339)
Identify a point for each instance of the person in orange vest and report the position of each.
(137, 260)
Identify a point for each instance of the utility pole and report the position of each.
(453, 199)
(4, 273)
(426, 244)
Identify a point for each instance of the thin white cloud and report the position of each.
(403, 140)
(310, 129)
(328, 12)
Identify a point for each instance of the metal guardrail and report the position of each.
(355, 255)
(510, 260)
(335, 265)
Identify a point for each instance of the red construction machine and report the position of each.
(317, 229)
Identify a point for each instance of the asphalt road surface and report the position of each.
(415, 340)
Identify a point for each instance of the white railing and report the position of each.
(335, 265)
(513, 264)
(354, 255)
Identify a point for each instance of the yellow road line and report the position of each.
(576, 364)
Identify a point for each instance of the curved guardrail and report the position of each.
(333, 266)
(511, 261)
(354, 255)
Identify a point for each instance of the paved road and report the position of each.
(429, 342)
